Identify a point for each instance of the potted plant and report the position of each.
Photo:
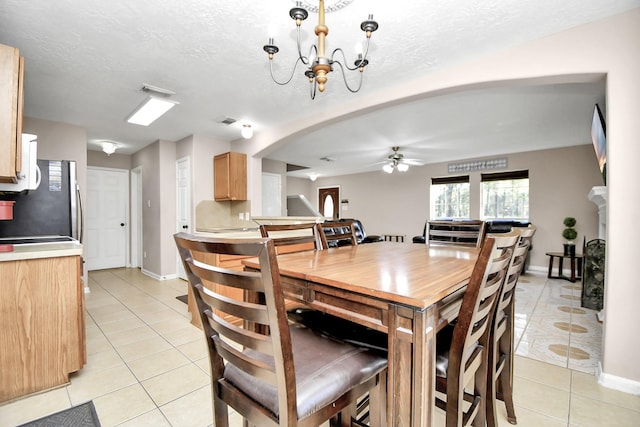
(569, 234)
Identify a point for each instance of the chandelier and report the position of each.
(318, 64)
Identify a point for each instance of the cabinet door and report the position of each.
(230, 176)
(221, 176)
(11, 77)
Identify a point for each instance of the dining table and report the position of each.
(407, 290)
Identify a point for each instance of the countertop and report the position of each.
(247, 233)
(41, 250)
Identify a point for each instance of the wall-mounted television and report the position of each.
(598, 137)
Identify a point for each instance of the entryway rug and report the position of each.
(182, 298)
(83, 415)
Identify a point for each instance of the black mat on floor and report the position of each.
(79, 416)
(182, 298)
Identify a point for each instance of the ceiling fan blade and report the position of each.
(413, 162)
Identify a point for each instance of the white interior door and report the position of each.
(271, 194)
(183, 208)
(106, 216)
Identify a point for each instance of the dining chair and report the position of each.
(462, 346)
(459, 233)
(271, 372)
(293, 237)
(501, 346)
(338, 233)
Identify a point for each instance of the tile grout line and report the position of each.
(192, 362)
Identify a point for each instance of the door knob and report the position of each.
(122, 224)
(184, 227)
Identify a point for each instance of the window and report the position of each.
(450, 197)
(505, 195)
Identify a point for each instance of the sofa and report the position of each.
(361, 234)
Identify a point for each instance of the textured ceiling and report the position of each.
(86, 61)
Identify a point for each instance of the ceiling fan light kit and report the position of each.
(398, 161)
(318, 64)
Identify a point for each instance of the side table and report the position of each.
(575, 261)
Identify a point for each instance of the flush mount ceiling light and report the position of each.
(247, 131)
(153, 107)
(109, 147)
(318, 64)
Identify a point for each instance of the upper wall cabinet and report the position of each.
(230, 176)
(11, 99)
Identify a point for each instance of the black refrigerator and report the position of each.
(52, 209)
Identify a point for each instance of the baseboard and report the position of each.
(537, 268)
(617, 383)
(156, 276)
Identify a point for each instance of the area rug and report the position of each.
(182, 298)
(83, 415)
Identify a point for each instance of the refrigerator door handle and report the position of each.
(81, 216)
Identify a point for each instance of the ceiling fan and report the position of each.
(398, 161)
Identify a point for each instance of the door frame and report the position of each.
(334, 191)
(135, 233)
(180, 273)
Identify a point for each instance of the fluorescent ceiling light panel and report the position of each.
(150, 110)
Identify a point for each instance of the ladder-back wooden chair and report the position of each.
(286, 375)
(293, 237)
(501, 347)
(462, 347)
(459, 233)
(338, 233)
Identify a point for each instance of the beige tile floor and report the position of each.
(148, 366)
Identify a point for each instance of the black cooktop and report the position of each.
(35, 239)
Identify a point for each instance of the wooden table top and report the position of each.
(415, 275)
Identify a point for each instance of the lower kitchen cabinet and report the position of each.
(42, 329)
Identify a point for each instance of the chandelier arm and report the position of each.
(344, 78)
(303, 59)
(344, 58)
(312, 91)
(313, 49)
(290, 77)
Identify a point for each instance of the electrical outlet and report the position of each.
(144, 254)
(247, 216)
(241, 216)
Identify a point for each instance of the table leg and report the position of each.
(573, 269)
(560, 262)
(411, 375)
(550, 273)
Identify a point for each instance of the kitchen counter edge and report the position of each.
(41, 250)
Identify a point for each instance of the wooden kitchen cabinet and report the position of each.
(11, 106)
(232, 262)
(41, 324)
(230, 176)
